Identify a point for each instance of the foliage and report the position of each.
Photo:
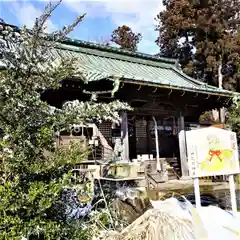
(31, 181)
(126, 38)
(207, 117)
(209, 34)
(233, 117)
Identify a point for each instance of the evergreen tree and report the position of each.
(208, 30)
(31, 181)
(126, 38)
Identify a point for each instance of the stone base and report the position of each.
(186, 178)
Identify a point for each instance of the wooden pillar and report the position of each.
(183, 147)
(159, 167)
(124, 137)
(222, 115)
(216, 115)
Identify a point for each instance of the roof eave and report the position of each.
(173, 87)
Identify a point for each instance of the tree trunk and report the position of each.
(220, 80)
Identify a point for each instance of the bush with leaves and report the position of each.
(233, 117)
(31, 182)
(207, 117)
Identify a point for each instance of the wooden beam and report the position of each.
(159, 167)
(124, 136)
(222, 115)
(183, 147)
(151, 112)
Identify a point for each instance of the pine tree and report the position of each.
(31, 182)
(210, 31)
(126, 38)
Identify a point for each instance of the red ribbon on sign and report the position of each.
(213, 153)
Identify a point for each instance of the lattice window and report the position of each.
(106, 129)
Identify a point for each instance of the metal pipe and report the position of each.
(157, 146)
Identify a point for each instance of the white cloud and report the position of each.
(26, 14)
(137, 14)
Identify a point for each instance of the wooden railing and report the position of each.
(215, 178)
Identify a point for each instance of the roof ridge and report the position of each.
(113, 55)
(202, 84)
(82, 43)
(179, 71)
(112, 49)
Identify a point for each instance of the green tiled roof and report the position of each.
(98, 62)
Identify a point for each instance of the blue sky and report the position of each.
(103, 16)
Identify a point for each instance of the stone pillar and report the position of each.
(183, 147)
(124, 137)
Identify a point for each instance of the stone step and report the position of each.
(173, 174)
(155, 180)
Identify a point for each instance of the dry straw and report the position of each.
(154, 224)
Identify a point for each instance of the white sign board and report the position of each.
(212, 152)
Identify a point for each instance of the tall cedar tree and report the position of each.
(31, 181)
(126, 38)
(209, 26)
